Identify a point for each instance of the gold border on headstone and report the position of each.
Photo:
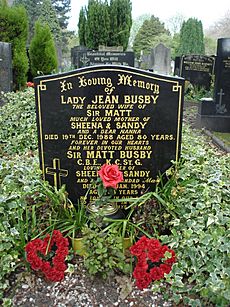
(179, 88)
(175, 88)
(42, 87)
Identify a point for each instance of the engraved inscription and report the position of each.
(98, 115)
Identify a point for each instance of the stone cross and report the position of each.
(84, 59)
(219, 107)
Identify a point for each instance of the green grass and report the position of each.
(224, 137)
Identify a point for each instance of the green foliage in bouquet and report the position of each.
(104, 251)
(70, 219)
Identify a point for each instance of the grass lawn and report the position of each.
(224, 137)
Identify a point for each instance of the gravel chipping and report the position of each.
(80, 289)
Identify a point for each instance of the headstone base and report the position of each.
(207, 117)
(214, 123)
(207, 106)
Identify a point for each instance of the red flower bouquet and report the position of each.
(153, 261)
(29, 84)
(48, 255)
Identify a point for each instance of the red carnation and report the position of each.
(46, 267)
(154, 255)
(151, 262)
(156, 273)
(54, 268)
(139, 271)
(165, 268)
(143, 281)
(59, 264)
(140, 247)
(36, 263)
(55, 275)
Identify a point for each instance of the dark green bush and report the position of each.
(42, 51)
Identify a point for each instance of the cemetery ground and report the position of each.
(190, 214)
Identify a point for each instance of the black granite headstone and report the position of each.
(6, 77)
(198, 69)
(222, 81)
(177, 66)
(110, 114)
(215, 114)
(75, 55)
(90, 58)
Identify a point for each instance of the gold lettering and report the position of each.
(73, 154)
(118, 113)
(141, 99)
(129, 154)
(106, 99)
(93, 113)
(132, 125)
(124, 80)
(83, 82)
(127, 80)
(137, 174)
(86, 174)
(72, 100)
(88, 125)
(162, 137)
(103, 154)
(87, 162)
(51, 136)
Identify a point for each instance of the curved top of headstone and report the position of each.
(106, 68)
(161, 45)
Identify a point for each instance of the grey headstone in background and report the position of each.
(145, 61)
(6, 76)
(60, 58)
(161, 59)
